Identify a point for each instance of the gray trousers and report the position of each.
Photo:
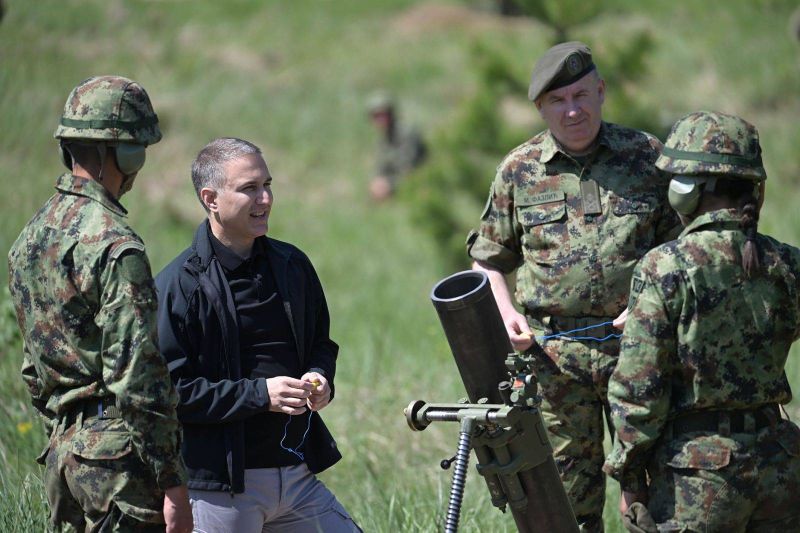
(286, 499)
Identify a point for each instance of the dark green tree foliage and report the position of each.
(446, 194)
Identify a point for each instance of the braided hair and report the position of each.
(743, 193)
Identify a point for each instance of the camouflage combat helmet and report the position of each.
(380, 101)
(109, 108)
(710, 143)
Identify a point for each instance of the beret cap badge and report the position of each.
(574, 64)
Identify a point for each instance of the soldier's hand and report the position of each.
(288, 395)
(518, 330)
(321, 393)
(177, 510)
(619, 322)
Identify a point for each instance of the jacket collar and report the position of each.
(70, 184)
(550, 146)
(204, 250)
(719, 219)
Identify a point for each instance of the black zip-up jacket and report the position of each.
(198, 335)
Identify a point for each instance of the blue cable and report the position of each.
(565, 334)
(302, 441)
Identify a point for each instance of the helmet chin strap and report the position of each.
(101, 151)
(127, 179)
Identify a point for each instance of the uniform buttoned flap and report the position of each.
(100, 439)
(703, 453)
(536, 209)
(634, 204)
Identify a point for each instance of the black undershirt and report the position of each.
(267, 349)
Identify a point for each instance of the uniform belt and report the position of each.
(736, 420)
(559, 324)
(102, 408)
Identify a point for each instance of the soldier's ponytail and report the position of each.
(742, 194)
(748, 209)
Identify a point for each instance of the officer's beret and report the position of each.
(563, 64)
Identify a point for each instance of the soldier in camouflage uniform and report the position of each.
(700, 376)
(86, 305)
(571, 211)
(400, 149)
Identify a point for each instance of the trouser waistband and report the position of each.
(725, 422)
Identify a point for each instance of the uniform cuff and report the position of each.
(172, 477)
(496, 255)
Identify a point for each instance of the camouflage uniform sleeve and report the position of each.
(133, 369)
(497, 240)
(36, 388)
(639, 390)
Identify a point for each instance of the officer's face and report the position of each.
(240, 210)
(573, 112)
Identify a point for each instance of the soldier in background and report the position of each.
(86, 305)
(570, 212)
(400, 150)
(695, 396)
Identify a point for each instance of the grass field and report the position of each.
(293, 78)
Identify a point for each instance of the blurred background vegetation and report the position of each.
(293, 77)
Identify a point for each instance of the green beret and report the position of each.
(560, 66)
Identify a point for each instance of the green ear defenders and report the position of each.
(685, 192)
(130, 157)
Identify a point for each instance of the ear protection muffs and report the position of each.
(685, 192)
(130, 157)
(66, 157)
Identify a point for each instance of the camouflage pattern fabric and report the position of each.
(109, 108)
(95, 481)
(701, 336)
(573, 264)
(399, 154)
(86, 306)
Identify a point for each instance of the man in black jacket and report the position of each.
(244, 325)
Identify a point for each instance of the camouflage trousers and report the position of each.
(746, 482)
(96, 482)
(573, 383)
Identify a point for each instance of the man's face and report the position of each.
(572, 113)
(240, 210)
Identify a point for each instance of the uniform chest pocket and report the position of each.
(639, 205)
(545, 232)
(634, 224)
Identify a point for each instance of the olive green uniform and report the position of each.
(398, 153)
(573, 255)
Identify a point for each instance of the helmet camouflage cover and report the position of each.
(109, 108)
(379, 101)
(713, 143)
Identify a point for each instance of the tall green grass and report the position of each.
(293, 77)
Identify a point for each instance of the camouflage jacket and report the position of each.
(700, 335)
(571, 263)
(86, 305)
(400, 154)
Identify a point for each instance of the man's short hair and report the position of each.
(208, 167)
